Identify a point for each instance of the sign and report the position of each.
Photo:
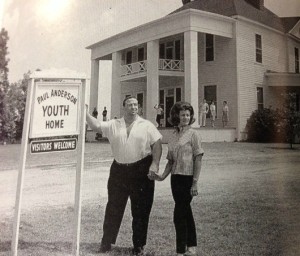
(55, 109)
(45, 146)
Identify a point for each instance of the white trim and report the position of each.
(238, 17)
(188, 20)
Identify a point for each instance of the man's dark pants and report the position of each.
(129, 181)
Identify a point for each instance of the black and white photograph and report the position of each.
(149, 127)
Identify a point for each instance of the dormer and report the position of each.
(258, 4)
(185, 1)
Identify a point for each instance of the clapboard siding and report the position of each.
(220, 72)
(250, 73)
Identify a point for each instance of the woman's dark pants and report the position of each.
(183, 215)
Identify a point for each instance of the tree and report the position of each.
(6, 116)
(290, 115)
(19, 99)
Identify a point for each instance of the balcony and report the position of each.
(171, 65)
(134, 68)
(141, 67)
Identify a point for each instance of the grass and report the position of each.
(248, 203)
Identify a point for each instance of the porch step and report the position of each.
(208, 134)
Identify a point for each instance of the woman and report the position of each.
(225, 113)
(212, 109)
(184, 163)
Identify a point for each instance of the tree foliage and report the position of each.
(6, 116)
(291, 118)
(276, 125)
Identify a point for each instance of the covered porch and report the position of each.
(150, 73)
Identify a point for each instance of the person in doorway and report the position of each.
(212, 109)
(184, 163)
(140, 110)
(203, 110)
(136, 147)
(95, 113)
(225, 114)
(159, 114)
(104, 114)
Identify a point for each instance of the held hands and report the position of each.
(153, 173)
(153, 170)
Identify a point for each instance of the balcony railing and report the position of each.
(171, 65)
(141, 66)
(134, 68)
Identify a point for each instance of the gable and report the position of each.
(295, 31)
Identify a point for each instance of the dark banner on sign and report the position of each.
(45, 146)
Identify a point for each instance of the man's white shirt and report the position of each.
(136, 146)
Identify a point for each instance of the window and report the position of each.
(209, 47)
(258, 47)
(162, 51)
(128, 57)
(170, 50)
(141, 54)
(178, 94)
(296, 60)
(260, 98)
(177, 50)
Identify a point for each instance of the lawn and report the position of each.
(249, 202)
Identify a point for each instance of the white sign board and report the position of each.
(55, 109)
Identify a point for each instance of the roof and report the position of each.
(242, 8)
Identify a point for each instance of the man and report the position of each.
(203, 110)
(159, 114)
(136, 146)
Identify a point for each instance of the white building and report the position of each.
(233, 50)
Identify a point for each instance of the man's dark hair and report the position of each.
(175, 110)
(127, 98)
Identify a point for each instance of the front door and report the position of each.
(169, 104)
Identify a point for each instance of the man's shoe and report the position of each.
(104, 247)
(191, 251)
(139, 251)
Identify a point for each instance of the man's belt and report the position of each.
(134, 163)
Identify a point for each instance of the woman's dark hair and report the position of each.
(175, 110)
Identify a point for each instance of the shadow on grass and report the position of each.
(285, 148)
(58, 247)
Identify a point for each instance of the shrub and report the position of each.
(262, 126)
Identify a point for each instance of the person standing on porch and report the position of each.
(184, 163)
(104, 114)
(225, 113)
(136, 147)
(203, 110)
(159, 114)
(212, 109)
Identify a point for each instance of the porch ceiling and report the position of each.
(282, 79)
(195, 20)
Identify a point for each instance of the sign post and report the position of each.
(55, 106)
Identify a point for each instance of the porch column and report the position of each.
(152, 80)
(116, 85)
(191, 70)
(94, 85)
